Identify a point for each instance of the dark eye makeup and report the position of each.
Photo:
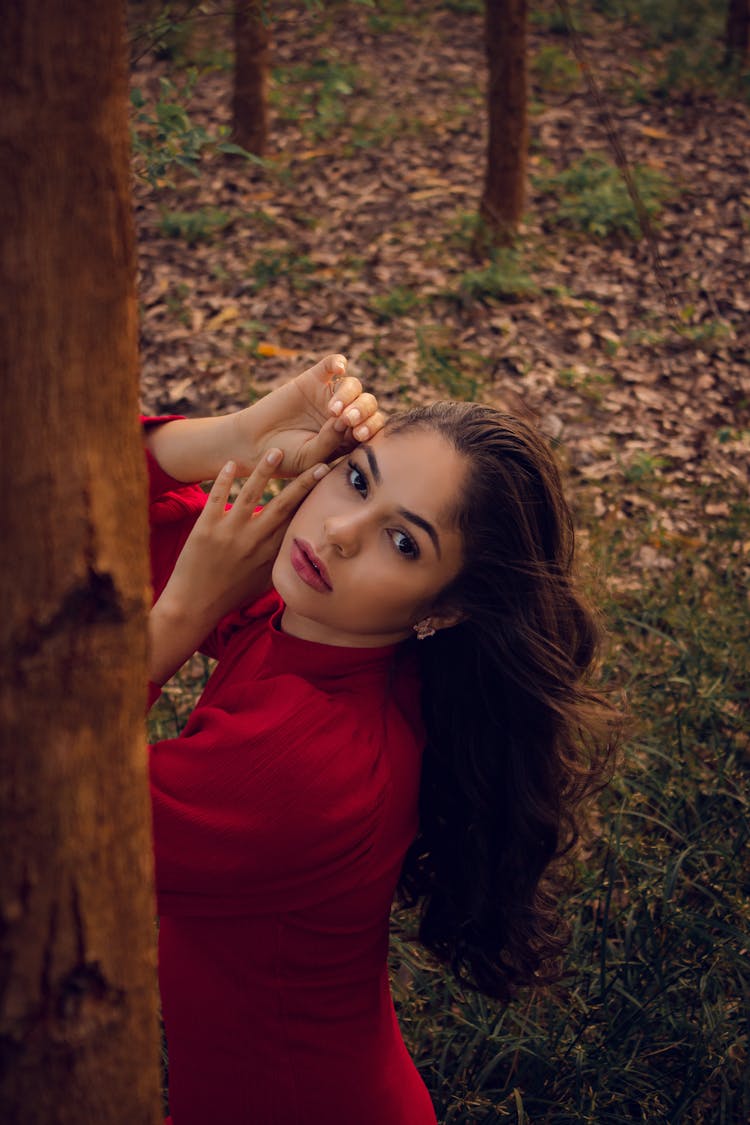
(402, 541)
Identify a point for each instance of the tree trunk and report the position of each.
(737, 38)
(78, 1022)
(505, 180)
(252, 42)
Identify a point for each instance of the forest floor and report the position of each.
(355, 235)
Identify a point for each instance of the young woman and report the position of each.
(408, 708)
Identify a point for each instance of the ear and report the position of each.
(446, 620)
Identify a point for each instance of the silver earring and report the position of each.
(424, 629)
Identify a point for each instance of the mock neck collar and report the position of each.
(286, 653)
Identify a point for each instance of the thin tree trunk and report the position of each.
(505, 180)
(737, 38)
(252, 42)
(78, 1023)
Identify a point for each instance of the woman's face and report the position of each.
(374, 543)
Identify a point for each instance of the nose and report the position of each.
(344, 533)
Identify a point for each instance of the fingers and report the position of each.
(219, 494)
(354, 410)
(329, 443)
(326, 370)
(252, 490)
(282, 507)
(362, 418)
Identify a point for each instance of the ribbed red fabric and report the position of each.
(282, 814)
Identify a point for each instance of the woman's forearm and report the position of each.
(195, 449)
(304, 419)
(173, 637)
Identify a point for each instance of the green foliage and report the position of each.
(555, 70)
(547, 15)
(685, 39)
(644, 467)
(451, 370)
(651, 1023)
(273, 264)
(194, 226)
(592, 197)
(315, 95)
(585, 382)
(165, 139)
(401, 301)
(465, 7)
(503, 279)
(670, 21)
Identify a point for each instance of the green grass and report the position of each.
(651, 1023)
(555, 69)
(201, 225)
(592, 197)
(317, 95)
(400, 301)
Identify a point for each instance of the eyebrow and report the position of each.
(419, 521)
(373, 463)
(425, 525)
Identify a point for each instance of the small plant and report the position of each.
(593, 198)
(273, 264)
(164, 138)
(465, 7)
(399, 302)
(588, 384)
(176, 302)
(194, 226)
(555, 70)
(644, 467)
(446, 367)
(316, 95)
(504, 279)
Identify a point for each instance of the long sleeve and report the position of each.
(173, 509)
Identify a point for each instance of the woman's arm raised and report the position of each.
(226, 561)
(304, 419)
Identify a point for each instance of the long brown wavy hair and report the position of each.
(517, 732)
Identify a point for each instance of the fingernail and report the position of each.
(229, 467)
(336, 407)
(361, 433)
(320, 471)
(274, 456)
(353, 417)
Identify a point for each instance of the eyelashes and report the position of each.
(403, 543)
(357, 479)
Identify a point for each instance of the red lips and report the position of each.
(309, 567)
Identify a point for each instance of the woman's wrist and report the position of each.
(195, 449)
(174, 633)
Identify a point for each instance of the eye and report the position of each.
(357, 479)
(405, 545)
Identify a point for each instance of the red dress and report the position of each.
(281, 818)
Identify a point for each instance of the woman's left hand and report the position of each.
(317, 416)
(226, 561)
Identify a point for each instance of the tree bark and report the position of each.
(78, 1021)
(505, 180)
(737, 37)
(252, 42)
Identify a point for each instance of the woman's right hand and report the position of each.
(226, 561)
